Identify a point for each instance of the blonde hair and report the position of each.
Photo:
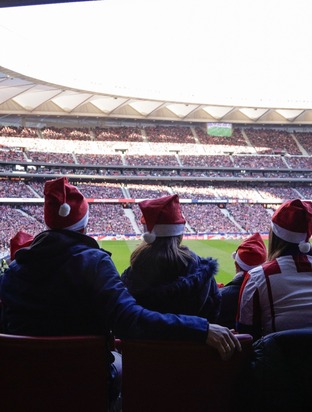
(161, 261)
(279, 247)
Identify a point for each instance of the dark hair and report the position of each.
(279, 247)
(162, 261)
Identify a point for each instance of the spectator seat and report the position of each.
(181, 376)
(282, 371)
(53, 374)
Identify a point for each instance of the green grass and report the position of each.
(218, 249)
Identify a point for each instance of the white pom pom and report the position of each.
(149, 237)
(234, 255)
(64, 210)
(304, 247)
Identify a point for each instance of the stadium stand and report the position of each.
(227, 185)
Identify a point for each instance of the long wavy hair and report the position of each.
(161, 261)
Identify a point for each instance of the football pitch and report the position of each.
(218, 249)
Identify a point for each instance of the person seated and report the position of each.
(165, 275)
(277, 295)
(65, 284)
(249, 254)
(18, 241)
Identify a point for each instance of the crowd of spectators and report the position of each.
(155, 172)
(162, 134)
(201, 218)
(206, 160)
(144, 191)
(305, 192)
(100, 190)
(272, 141)
(259, 162)
(65, 133)
(9, 155)
(263, 140)
(305, 140)
(248, 139)
(122, 134)
(237, 192)
(109, 219)
(178, 151)
(33, 211)
(49, 157)
(96, 159)
(163, 146)
(299, 162)
(251, 217)
(19, 131)
(279, 193)
(36, 187)
(153, 160)
(13, 219)
(14, 189)
(229, 143)
(194, 191)
(208, 218)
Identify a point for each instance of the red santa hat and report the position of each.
(292, 222)
(65, 207)
(20, 240)
(162, 217)
(251, 252)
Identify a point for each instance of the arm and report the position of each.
(195, 293)
(249, 310)
(119, 312)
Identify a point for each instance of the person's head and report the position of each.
(162, 217)
(291, 228)
(161, 251)
(65, 207)
(19, 240)
(163, 260)
(250, 253)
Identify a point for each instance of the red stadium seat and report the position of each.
(53, 374)
(179, 376)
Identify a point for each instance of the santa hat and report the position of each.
(64, 206)
(251, 252)
(162, 217)
(20, 240)
(292, 222)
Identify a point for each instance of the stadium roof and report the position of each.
(193, 61)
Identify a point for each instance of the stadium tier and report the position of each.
(228, 185)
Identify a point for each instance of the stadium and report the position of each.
(231, 165)
(232, 157)
(122, 149)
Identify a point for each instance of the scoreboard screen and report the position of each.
(219, 129)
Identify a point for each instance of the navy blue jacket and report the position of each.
(195, 293)
(229, 301)
(64, 284)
